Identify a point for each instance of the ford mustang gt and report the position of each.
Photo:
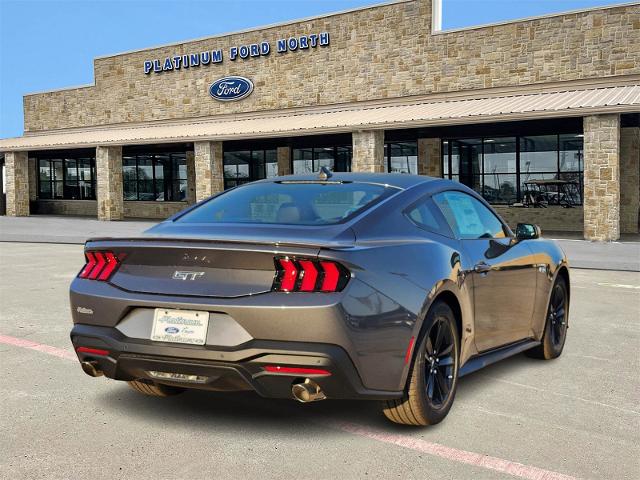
(326, 286)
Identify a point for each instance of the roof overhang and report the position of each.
(426, 112)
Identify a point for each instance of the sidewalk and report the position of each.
(66, 229)
(623, 255)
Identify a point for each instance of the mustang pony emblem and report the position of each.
(186, 275)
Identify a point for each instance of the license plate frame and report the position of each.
(186, 327)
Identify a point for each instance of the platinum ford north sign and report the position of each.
(228, 89)
(244, 52)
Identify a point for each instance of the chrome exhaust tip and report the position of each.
(91, 368)
(308, 391)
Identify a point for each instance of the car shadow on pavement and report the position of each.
(247, 410)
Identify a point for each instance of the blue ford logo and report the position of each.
(228, 89)
(172, 330)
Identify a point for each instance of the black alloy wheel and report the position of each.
(557, 323)
(439, 362)
(557, 314)
(433, 376)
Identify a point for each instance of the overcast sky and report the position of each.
(49, 44)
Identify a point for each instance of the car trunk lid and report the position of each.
(225, 265)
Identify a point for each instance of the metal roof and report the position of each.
(569, 102)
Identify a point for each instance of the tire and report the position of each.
(154, 389)
(423, 402)
(555, 329)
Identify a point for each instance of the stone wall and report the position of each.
(159, 210)
(602, 177)
(284, 160)
(430, 157)
(552, 219)
(17, 183)
(629, 179)
(375, 53)
(209, 169)
(109, 188)
(85, 208)
(368, 152)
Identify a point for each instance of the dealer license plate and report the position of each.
(180, 326)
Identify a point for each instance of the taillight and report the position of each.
(100, 265)
(306, 275)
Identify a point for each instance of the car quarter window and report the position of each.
(422, 214)
(468, 217)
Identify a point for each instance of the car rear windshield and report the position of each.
(289, 203)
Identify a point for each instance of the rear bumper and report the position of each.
(226, 370)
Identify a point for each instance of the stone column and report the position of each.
(429, 157)
(191, 177)
(284, 160)
(109, 183)
(209, 169)
(368, 151)
(16, 166)
(629, 179)
(602, 177)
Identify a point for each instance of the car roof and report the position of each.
(398, 180)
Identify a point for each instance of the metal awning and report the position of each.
(574, 102)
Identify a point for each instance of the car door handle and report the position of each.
(482, 268)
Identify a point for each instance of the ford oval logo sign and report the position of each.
(228, 89)
(172, 330)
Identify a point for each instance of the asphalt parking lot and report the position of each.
(574, 417)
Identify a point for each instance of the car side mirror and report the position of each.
(528, 231)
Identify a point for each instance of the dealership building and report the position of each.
(541, 116)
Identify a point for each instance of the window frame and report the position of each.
(446, 147)
(335, 148)
(231, 182)
(155, 163)
(387, 148)
(63, 159)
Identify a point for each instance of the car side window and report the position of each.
(422, 214)
(467, 217)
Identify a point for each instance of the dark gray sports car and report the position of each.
(364, 286)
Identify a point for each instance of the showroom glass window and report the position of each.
(242, 166)
(69, 176)
(158, 177)
(503, 169)
(401, 157)
(311, 159)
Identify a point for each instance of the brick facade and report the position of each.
(602, 177)
(550, 219)
(17, 183)
(155, 210)
(83, 208)
(109, 189)
(380, 52)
